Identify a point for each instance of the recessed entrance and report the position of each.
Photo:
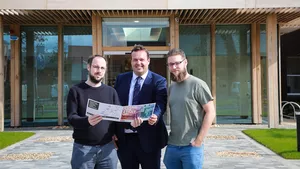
(120, 62)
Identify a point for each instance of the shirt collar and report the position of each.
(134, 76)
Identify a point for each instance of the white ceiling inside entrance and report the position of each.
(290, 26)
(136, 29)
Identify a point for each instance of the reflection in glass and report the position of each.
(233, 71)
(117, 64)
(39, 50)
(77, 49)
(194, 40)
(293, 83)
(131, 31)
(6, 50)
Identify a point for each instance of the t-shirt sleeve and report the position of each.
(203, 93)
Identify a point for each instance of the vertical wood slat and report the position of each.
(60, 81)
(256, 74)
(94, 33)
(15, 83)
(176, 38)
(172, 31)
(1, 76)
(213, 66)
(12, 81)
(99, 35)
(272, 71)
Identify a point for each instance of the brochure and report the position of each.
(119, 113)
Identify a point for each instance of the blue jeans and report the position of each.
(94, 157)
(184, 157)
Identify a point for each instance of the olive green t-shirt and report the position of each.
(185, 101)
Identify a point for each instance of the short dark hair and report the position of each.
(91, 58)
(139, 48)
(176, 51)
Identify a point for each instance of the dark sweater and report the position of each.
(84, 133)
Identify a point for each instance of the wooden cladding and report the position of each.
(184, 16)
(15, 79)
(272, 71)
(256, 74)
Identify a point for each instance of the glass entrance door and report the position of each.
(122, 63)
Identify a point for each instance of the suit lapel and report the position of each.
(146, 84)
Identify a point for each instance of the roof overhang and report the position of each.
(288, 18)
(184, 16)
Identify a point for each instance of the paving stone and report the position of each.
(221, 138)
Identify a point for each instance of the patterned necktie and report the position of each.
(137, 87)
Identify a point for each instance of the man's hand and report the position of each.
(136, 122)
(153, 119)
(94, 119)
(196, 143)
(114, 139)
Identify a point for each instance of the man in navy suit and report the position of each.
(142, 143)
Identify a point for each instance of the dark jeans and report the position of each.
(94, 157)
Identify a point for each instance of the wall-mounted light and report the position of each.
(136, 21)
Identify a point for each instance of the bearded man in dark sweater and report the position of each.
(93, 147)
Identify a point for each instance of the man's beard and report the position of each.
(180, 77)
(94, 80)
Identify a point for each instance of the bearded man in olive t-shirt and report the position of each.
(192, 113)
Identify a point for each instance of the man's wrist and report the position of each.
(198, 141)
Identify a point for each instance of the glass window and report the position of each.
(293, 76)
(6, 40)
(77, 48)
(39, 50)
(233, 71)
(293, 83)
(131, 31)
(194, 40)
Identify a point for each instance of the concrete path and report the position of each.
(226, 147)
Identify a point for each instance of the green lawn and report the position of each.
(9, 138)
(281, 141)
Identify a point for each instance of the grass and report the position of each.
(281, 141)
(9, 138)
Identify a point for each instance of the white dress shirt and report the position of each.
(130, 96)
(133, 81)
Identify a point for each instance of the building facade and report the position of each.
(233, 46)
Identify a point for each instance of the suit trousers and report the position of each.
(132, 155)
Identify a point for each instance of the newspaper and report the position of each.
(119, 113)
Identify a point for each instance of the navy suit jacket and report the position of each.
(154, 90)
